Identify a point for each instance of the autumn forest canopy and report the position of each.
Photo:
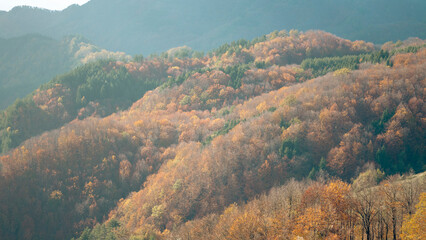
(289, 135)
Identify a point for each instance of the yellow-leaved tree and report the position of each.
(414, 227)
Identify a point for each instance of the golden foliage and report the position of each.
(414, 227)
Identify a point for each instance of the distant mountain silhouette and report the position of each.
(145, 26)
(27, 62)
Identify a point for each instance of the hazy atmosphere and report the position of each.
(200, 119)
(7, 5)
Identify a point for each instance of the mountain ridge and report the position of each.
(156, 27)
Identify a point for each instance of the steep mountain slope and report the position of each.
(104, 87)
(136, 26)
(284, 134)
(219, 129)
(32, 60)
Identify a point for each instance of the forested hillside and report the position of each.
(145, 26)
(29, 61)
(320, 209)
(103, 87)
(186, 146)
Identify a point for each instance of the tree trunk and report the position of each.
(394, 223)
(387, 231)
(368, 233)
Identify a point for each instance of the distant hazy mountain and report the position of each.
(146, 26)
(27, 62)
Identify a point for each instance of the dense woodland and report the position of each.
(293, 134)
